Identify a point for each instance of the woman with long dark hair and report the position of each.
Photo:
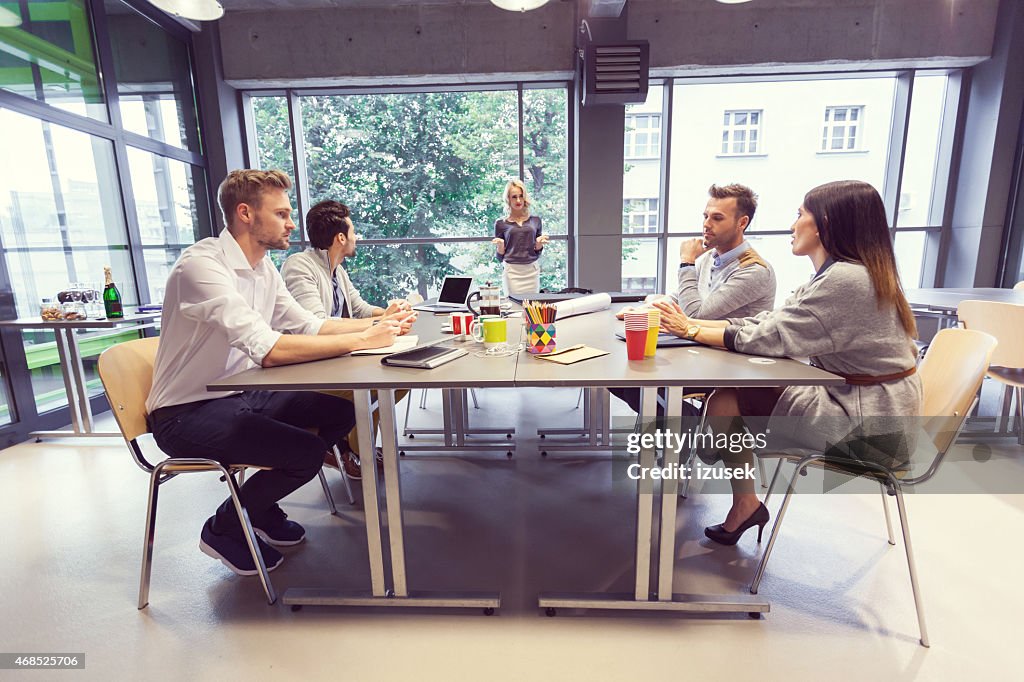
(851, 319)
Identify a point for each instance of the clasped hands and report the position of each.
(673, 319)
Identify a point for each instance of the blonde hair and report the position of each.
(515, 182)
(247, 187)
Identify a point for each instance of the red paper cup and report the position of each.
(636, 342)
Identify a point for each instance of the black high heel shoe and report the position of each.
(723, 537)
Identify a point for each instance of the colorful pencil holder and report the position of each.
(540, 338)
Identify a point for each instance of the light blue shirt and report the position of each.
(721, 260)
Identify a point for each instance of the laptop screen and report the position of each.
(455, 290)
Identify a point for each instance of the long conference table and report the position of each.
(674, 368)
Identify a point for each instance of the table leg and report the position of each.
(644, 503)
(70, 377)
(669, 499)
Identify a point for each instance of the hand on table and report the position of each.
(403, 318)
(382, 334)
(673, 319)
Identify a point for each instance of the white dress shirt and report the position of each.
(220, 316)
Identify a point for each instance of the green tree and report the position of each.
(428, 166)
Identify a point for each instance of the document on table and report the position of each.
(400, 344)
(572, 354)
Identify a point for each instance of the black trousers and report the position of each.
(262, 428)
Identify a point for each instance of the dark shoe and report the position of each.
(233, 551)
(278, 531)
(723, 537)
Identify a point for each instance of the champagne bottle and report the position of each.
(111, 296)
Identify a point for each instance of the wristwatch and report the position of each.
(692, 331)
(686, 265)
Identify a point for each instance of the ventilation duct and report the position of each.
(616, 73)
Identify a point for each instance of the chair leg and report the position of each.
(771, 486)
(147, 542)
(1020, 416)
(472, 394)
(423, 399)
(344, 476)
(701, 424)
(250, 539)
(760, 473)
(241, 477)
(579, 398)
(405, 426)
(900, 505)
(775, 531)
(327, 492)
(888, 518)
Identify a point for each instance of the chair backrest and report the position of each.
(1004, 321)
(951, 374)
(1019, 285)
(126, 371)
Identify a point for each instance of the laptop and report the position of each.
(617, 297)
(665, 340)
(454, 292)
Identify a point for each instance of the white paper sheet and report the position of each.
(400, 344)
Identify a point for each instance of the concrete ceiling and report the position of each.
(242, 5)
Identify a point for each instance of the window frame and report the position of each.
(25, 417)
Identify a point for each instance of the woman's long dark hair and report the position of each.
(852, 226)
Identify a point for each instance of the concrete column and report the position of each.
(598, 148)
(985, 173)
(220, 113)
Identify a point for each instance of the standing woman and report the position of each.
(851, 319)
(519, 241)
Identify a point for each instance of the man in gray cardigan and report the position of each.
(317, 279)
(720, 276)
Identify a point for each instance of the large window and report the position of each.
(108, 171)
(423, 173)
(809, 119)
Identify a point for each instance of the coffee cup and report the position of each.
(491, 330)
(462, 325)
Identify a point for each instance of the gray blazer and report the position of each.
(835, 321)
(308, 277)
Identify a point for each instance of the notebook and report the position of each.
(424, 357)
(665, 340)
(454, 292)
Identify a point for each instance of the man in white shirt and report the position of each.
(317, 279)
(224, 311)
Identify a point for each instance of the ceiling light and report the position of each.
(519, 5)
(9, 19)
(198, 10)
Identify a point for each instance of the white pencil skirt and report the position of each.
(521, 278)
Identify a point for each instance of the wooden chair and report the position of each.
(126, 371)
(951, 375)
(1004, 321)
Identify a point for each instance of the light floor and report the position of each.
(841, 607)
